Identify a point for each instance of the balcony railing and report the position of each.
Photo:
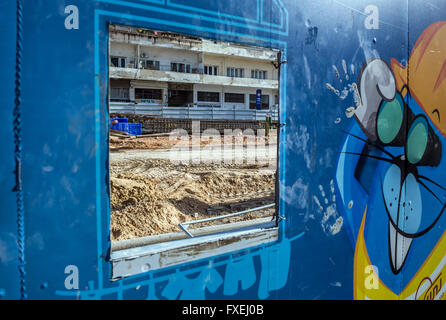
(163, 67)
(202, 112)
(194, 70)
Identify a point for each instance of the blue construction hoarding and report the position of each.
(362, 183)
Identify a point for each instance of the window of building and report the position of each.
(264, 101)
(180, 67)
(150, 64)
(118, 62)
(180, 98)
(235, 72)
(119, 94)
(148, 94)
(211, 70)
(259, 74)
(235, 97)
(208, 96)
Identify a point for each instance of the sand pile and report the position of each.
(166, 142)
(150, 197)
(162, 142)
(139, 209)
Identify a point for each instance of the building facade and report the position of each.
(153, 69)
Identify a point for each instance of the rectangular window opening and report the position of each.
(150, 64)
(264, 102)
(208, 96)
(235, 72)
(211, 70)
(235, 97)
(118, 62)
(189, 183)
(259, 74)
(180, 67)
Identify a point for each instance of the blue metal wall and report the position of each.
(65, 152)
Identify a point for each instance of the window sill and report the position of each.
(144, 258)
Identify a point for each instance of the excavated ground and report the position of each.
(151, 196)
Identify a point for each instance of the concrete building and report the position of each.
(150, 70)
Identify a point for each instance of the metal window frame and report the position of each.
(151, 89)
(233, 93)
(120, 58)
(207, 93)
(141, 259)
(144, 258)
(123, 93)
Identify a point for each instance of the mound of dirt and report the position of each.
(166, 142)
(150, 197)
(163, 142)
(139, 209)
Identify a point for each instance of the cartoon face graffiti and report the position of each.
(394, 154)
(388, 121)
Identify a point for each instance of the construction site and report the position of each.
(193, 148)
(152, 195)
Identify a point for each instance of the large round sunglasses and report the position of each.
(396, 125)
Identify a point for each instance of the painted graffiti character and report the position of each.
(393, 155)
(388, 121)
